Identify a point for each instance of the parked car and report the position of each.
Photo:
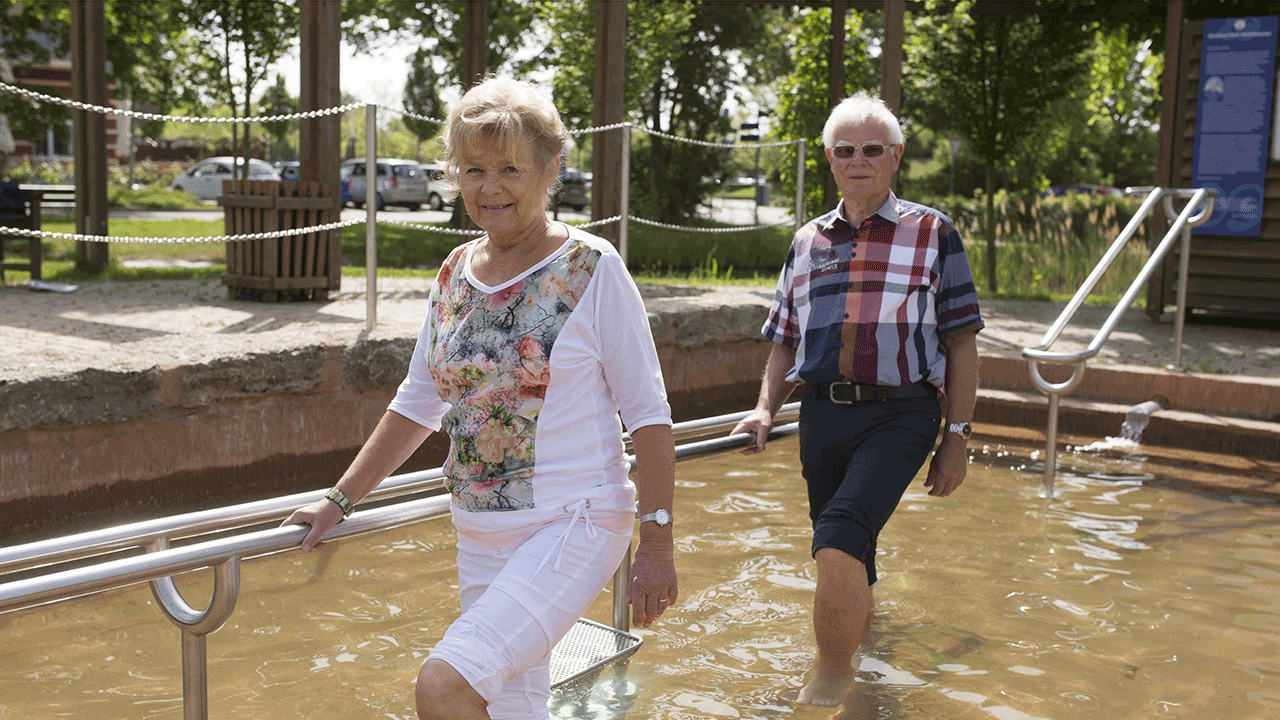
(435, 175)
(399, 182)
(573, 189)
(204, 179)
(344, 176)
(288, 169)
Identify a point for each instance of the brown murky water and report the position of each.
(1129, 596)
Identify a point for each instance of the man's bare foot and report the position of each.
(827, 688)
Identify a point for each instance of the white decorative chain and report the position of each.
(736, 228)
(472, 233)
(174, 240)
(415, 116)
(706, 143)
(602, 128)
(31, 94)
(431, 228)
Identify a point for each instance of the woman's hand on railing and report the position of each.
(321, 515)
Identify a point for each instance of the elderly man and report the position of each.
(876, 313)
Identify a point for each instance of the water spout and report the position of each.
(1135, 419)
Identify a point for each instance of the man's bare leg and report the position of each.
(841, 614)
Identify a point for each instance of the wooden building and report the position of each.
(1234, 275)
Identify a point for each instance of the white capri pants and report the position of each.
(520, 599)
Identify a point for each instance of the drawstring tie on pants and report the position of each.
(579, 512)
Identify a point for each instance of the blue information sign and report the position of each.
(1233, 120)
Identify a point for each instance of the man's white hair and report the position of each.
(861, 108)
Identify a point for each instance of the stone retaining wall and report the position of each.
(97, 447)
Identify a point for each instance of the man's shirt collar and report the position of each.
(888, 211)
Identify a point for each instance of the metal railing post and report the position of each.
(624, 204)
(800, 159)
(371, 219)
(1184, 268)
(1050, 448)
(621, 587)
(195, 677)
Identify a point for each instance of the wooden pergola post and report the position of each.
(891, 54)
(835, 87)
(475, 61)
(1166, 167)
(320, 42)
(475, 51)
(610, 77)
(89, 85)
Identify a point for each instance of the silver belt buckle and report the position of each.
(831, 393)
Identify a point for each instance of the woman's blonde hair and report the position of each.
(503, 113)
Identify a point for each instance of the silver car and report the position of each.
(204, 179)
(435, 176)
(399, 182)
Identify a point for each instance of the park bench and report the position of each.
(34, 199)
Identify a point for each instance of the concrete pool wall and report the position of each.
(98, 447)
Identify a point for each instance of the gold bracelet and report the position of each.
(341, 501)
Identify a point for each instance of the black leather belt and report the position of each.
(845, 393)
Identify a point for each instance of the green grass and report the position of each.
(151, 197)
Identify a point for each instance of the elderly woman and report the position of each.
(535, 344)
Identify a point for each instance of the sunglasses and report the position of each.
(869, 150)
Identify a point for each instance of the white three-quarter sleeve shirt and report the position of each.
(533, 381)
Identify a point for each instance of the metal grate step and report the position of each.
(587, 646)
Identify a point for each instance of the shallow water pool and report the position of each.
(1131, 595)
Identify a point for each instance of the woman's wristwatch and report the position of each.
(660, 516)
(964, 429)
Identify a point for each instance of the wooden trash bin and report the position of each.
(293, 267)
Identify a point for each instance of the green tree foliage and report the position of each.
(804, 98)
(144, 53)
(26, 38)
(683, 61)
(422, 97)
(988, 71)
(250, 35)
(276, 100)
(439, 26)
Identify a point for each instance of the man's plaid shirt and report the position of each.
(869, 304)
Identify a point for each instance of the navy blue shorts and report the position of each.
(858, 461)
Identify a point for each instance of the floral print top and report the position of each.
(525, 379)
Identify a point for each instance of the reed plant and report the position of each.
(1047, 246)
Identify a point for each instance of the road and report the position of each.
(731, 211)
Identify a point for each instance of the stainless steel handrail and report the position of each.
(162, 562)
(144, 533)
(1201, 199)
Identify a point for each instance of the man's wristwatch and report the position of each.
(660, 516)
(964, 429)
(340, 500)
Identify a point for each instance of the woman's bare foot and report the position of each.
(827, 688)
